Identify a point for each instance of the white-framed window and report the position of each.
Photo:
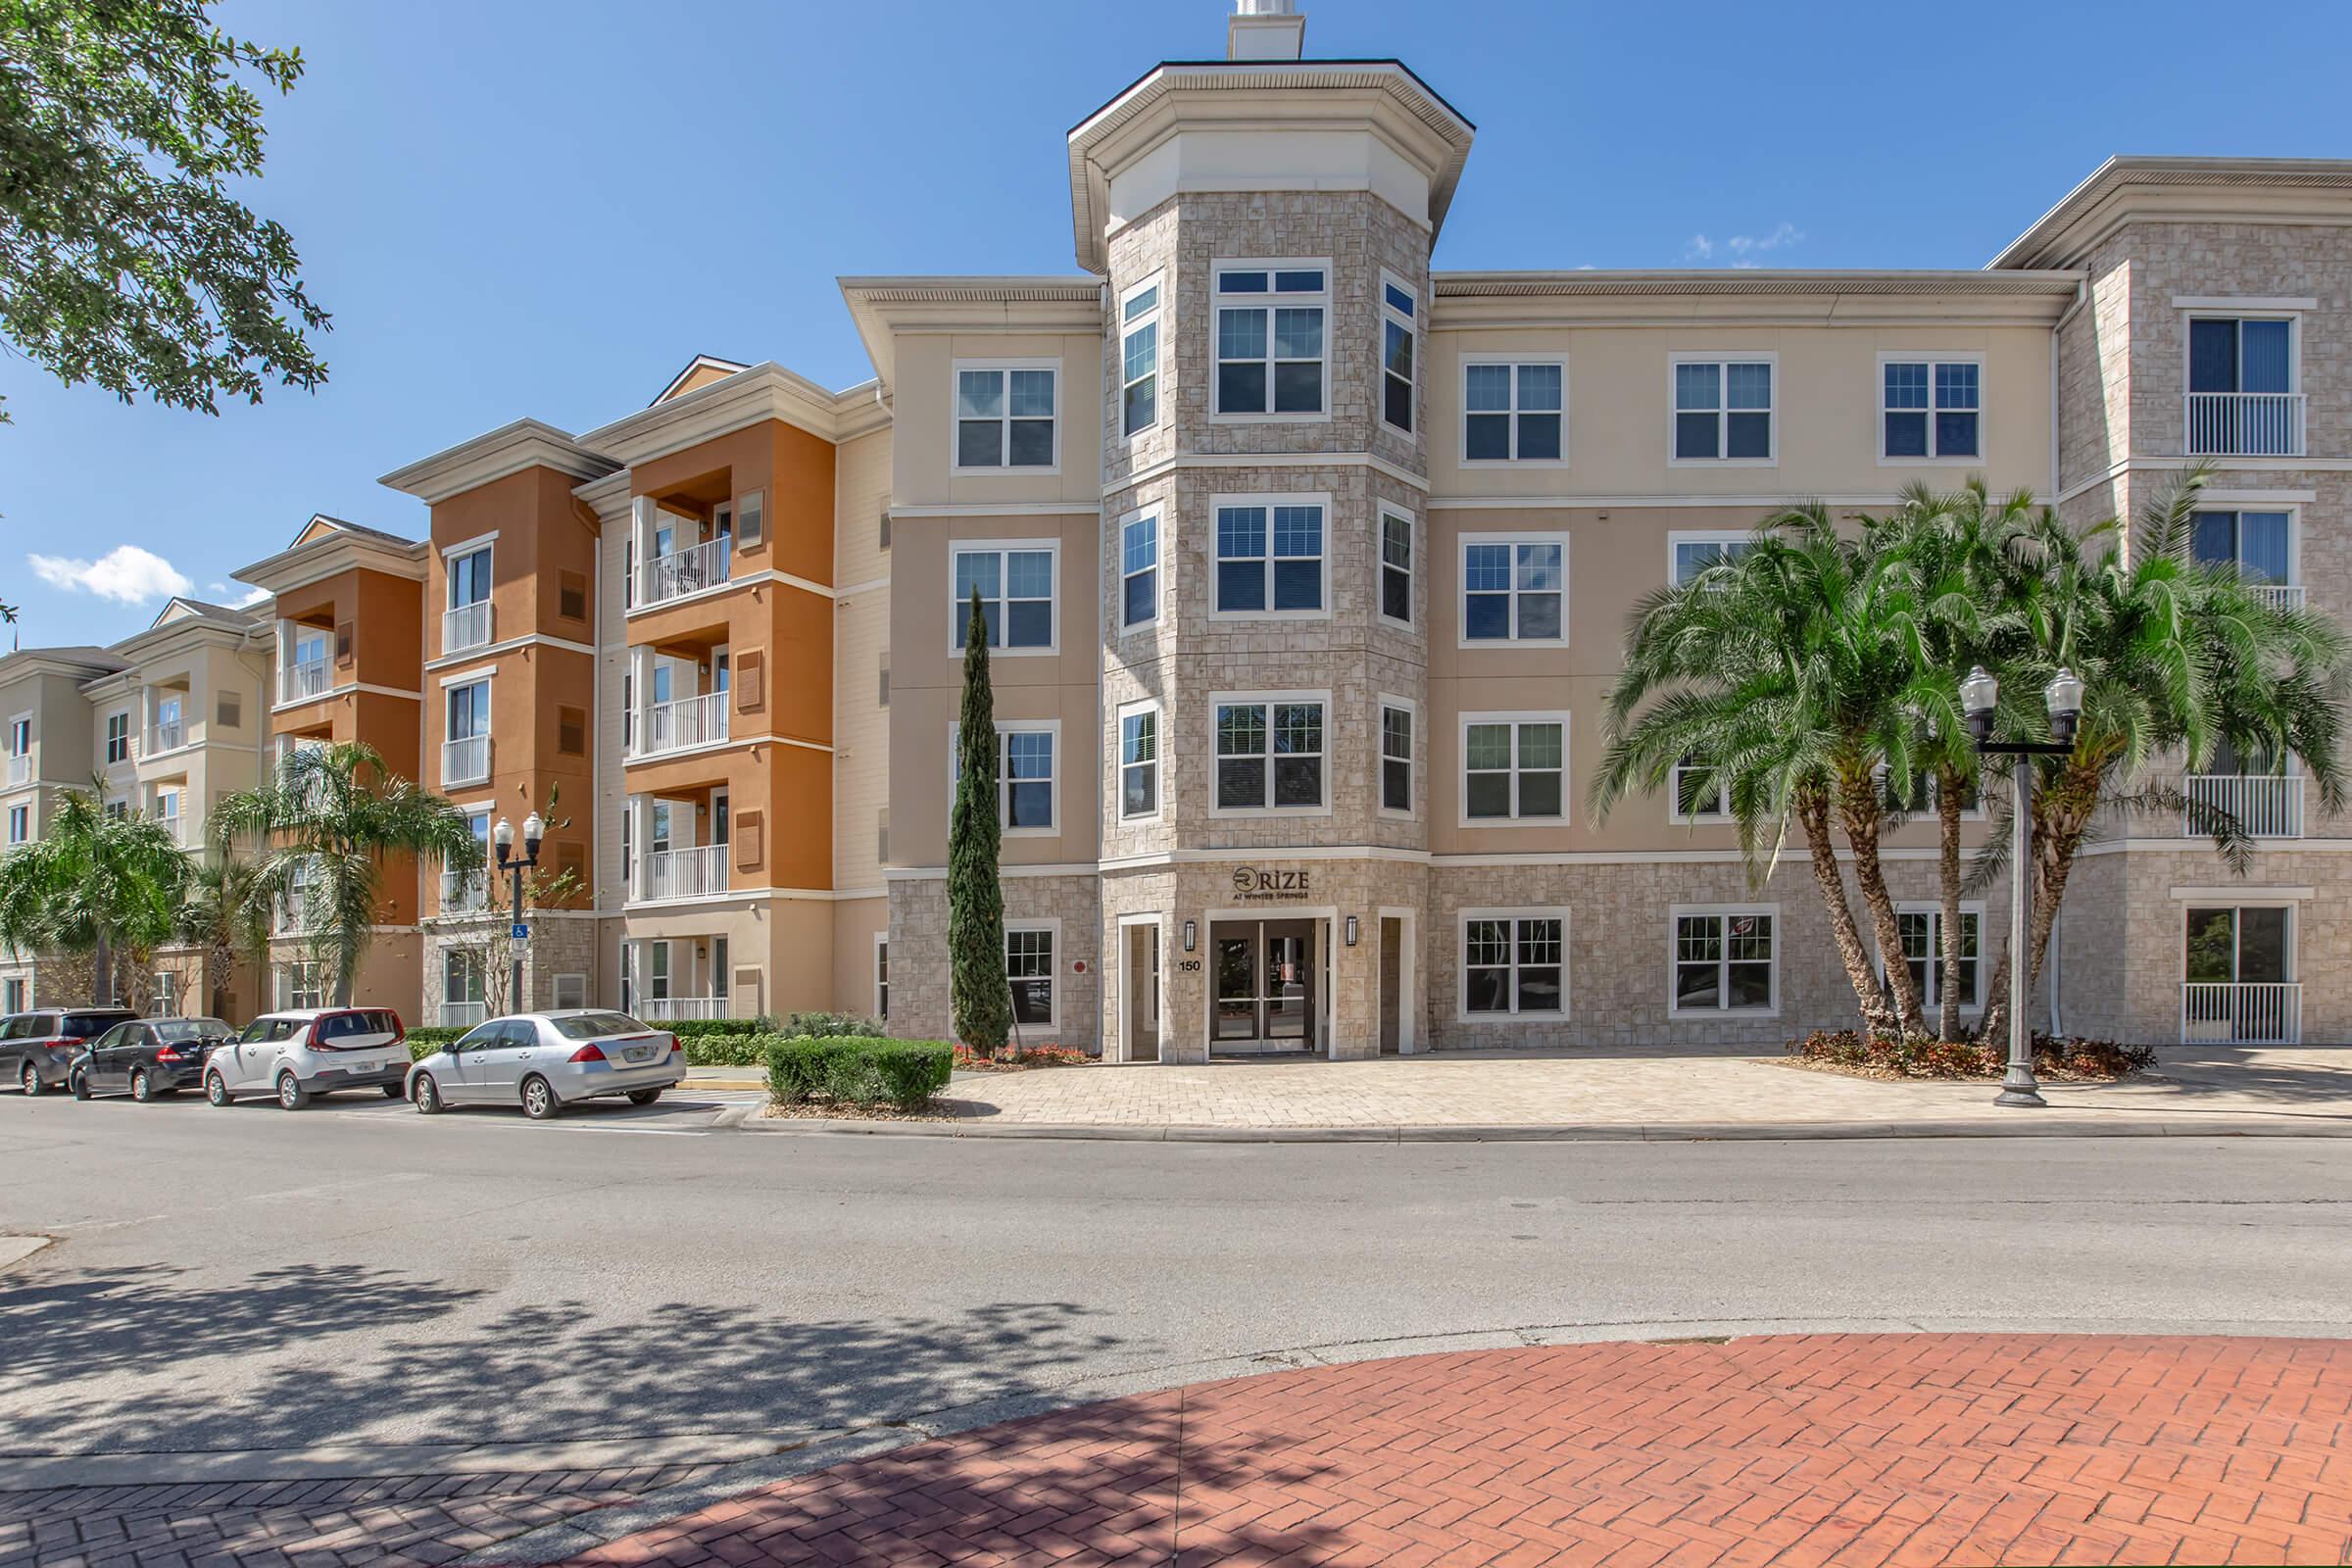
(1139, 570)
(882, 976)
(1725, 958)
(1028, 786)
(118, 811)
(1930, 407)
(1692, 551)
(1271, 752)
(1007, 415)
(1400, 314)
(301, 983)
(14, 994)
(1396, 565)
(1514, 964)
(1514, 409)
(462, 985)
(1514, 767)
(1139, 357)
(1920, 927)
(1139, 760)
(2257, 540)
(468, 576)
(1399, 720)
(570, 990)
(1514, 588)
(19, 737)
(1722, 409)
(1921, 803)
(1015, 578)
(1272, 559)
(1697, 794)
(1029, 947)
(1272, 349)
(465, 753)
(167, 799)
(118, 738)
(20, 824)
(2244, 370)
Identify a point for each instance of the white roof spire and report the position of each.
(1265, 29)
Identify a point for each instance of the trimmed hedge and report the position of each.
(424, 1042)
(857, 1070)
(726, 1050)
(831, 1026)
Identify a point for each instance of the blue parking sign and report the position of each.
(520, 932)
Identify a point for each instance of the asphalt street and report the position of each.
(249, 1279)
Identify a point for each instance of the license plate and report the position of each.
(638, 1052)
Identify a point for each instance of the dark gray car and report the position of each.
(36, 1047)
(146, 1058)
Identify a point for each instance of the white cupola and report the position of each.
(1265, 29)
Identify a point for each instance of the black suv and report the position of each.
(36, 1047)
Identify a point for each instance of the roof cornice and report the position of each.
(2124, 190)
(1749, 297)
(765, 391)
(1751, 281)
(883, 307)
(495, 455)
(75, 665)
(331, 552)
(1383, 93)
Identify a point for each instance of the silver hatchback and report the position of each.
(544, 1061)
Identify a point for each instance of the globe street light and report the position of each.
(533, 830)
(2062, 698)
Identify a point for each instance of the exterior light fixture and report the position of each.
(504, 833)
(1978, 693)
(2064, 698)
(1192, 935)
(1351, 931)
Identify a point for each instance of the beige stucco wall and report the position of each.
(923, 417)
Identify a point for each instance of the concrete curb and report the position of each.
(2025, 1125)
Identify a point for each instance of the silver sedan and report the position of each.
(544, 1061)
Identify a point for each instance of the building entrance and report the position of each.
(1264, 977)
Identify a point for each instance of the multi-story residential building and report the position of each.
(46, 736)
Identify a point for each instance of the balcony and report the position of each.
(456, 899)
(684, 873)
(302, 681)
(688, 721)
(295, 916)
(2278, 595)
(166, 738)
(465, 761)
(670, 1009)
(2242, 1014)
(177, 826)
(685, 572)
(2269, 806)
(464, 1015)
(20, 767)
(466, 626)
(2244, 425)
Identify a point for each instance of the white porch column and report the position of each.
(641, 691)
(641, 839)
(642, 510)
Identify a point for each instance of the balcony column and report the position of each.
(642, 513)
(641, 834)
(641, 693)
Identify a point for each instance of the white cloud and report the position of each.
(235, 595)
(1784, 234)
(127, 574)
(1699, 249)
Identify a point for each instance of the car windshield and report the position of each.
(174, 1030)
(82, 1025)
(597, 1026)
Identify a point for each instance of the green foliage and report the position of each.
(828, 1025)
(127, 130)
(980, 998)
(109, 887)
(726, 1050)
(855, 1071)
(1915, 1058)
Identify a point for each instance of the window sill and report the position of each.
(1719, 1015)
(1723, 463)
(1246, 813)
(1466, 1016)
(957, 654)
(1972, 461)
(1269, 418)
(1004, 471)
(1501, 464)
(1505, 644)
(1472, 823)
(1268, 615)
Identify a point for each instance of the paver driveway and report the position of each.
(1799, 1450)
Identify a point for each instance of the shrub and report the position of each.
(689, 1029)
(857, 1070)
(726, 1050)
(1922, 1057)
(425, 1041)
(831, 1026)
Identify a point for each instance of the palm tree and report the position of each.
(98, 885)
(220, 917)
(1789, 672)
(319, 835)
(2177, 656)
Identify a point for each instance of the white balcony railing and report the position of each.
(302, 680)
(2269, 806)
(466, 626)
(669, 1009)
(685, 572)
(465, 761)
(20, 767)
(167, 737)
(294, 917)
(683, 873)
(175, 825)
(2242, 1014)
(688, 721)
(2279, 595)
(2245, 424)
(460, 899)
(464, 1015)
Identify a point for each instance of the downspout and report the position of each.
(2082, 298)
(2053, 964)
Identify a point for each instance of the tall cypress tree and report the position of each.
(980, 998)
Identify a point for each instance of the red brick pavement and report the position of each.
(1809, 1451)
(389, 1522)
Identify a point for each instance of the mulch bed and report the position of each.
(852, 1111)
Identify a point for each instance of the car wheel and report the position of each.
(141, 1090)
(539, 1101)
(81, 1085)
(396, 1091)
(291, 1096)
(427, 1095)
(32, 1081)
(216, 1090)
(644, 1097)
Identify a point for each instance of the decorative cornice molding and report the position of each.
(495, 455)
(2125, 190)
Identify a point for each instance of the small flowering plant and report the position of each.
(1012, 1059)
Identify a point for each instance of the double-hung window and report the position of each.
(1514, 410)
(1270, 555)
(1395, 757)
(2242, 387)
(1514, 588)
(1921, 929)
(1725, 960)
(1397, 378)
(1029, 968)
(1016, 581)
(1692, 552)
(2257, 544)
(1004, 415)
(465, 755)
(1025, 778)
(1514, 963)
(1396, 565)
(1270, 752)
(1139, 357)
(1699, 793)
(1139, 570)
(1931, 409)
(20, 824)
(1514, 767)
(1271, 349)
(118, 738)
(1139, 762)
(1723, 410)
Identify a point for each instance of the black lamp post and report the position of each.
(2063, 697)
(533, 830)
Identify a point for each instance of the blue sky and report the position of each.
(547, 208)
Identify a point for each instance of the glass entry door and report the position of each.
(1265, 986)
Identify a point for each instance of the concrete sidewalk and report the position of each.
(2193, 1091)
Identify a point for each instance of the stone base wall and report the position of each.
(559, 945)
(920, 1007)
